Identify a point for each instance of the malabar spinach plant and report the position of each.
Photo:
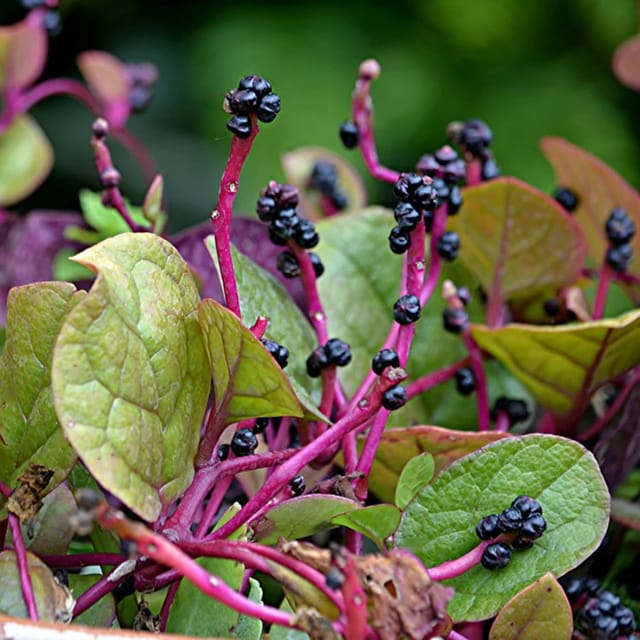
(330, 421)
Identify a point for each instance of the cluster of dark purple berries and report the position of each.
(416, 196)
(51, 20)
(396, 396)
(252, 97)
(446, 171)
(324, 178)
(600, 614)
(277, 206)
(244, 441)
(334, 352)
(620, 229)
(567, 199)
(515, 410)
(522, 522)
(289, 266)
(474, 137)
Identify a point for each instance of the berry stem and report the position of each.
(355, 604)
(502, 422)
(96, 592)
(455, 568)
(607, 275)
(435, 261)
(213, 505)
(474, 172)
(329, 377)
(56, 86)
(260, 326)
(369, 450)
(283, 474)
(167, 604)
(23, 567)
(79, 560)
(362, 109)
(435, 378)
(221, 216)
(482, 394)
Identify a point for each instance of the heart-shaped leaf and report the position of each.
(300, 517)
(130, 372)
(29, 429)
(626, 63)
(26, 158)
(399, 446)
(414, 475)
(23, 53)
(516, 240)
(439, 524)
(261, 295)
(247, 382)
(298, 167)
(599, 189)
(562, 366)
(377, 522)
(540, 610)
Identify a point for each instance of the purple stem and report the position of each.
(435, 378)
(3, 533)
(213, 506)
(502, 422)
(482, 394)
(168, 603)
(96, 592)
(474, 172)
(79, 560)
(221, 216)
(362, 111)
(454, 568)
(607, 275)
(23, 567)
(435, 261)
(371, 444)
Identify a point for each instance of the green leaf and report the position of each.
(516, 240)
(65, 269)
(106, 220)
(414, 475)
(48, 593)
(540, 610)
(285, 633)
(3, 338)
(300, 517)
(247, 382)
(250, 628)
(599, 189)
(562, 366)
(102, 613)
(439, 524)
(130, 373)
(377, 522)
(262, 295)
(298, 166)
(626, 63)
(29, 429)
(398, 446)
(152, 206)
(26, 158)
(626, 513)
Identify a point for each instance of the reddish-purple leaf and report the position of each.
(626, 63)
(599, 189)
(23, 53)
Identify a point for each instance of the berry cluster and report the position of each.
(280, 354)
(416, 196)
(620, 229)
(475, 138)
(522, 522)
(334, 352)
(446, 171)
(324, 178)
(252, 97)
(566, 199)
(277, 206)
(516, 410)
(349, 134)
(289, 267)
(601, 615)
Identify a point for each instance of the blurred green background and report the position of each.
(529, 68)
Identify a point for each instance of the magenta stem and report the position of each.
(607, 275)
(362, 111)
(454, 568)
(23, 567)
(168, 603)
(371, 444)
(474, 172)
(502, 422)
(79, 560)
(260, 326)
(213, 506)
(438, 226)
(96, 592)
(435, 378)
(329, 377)
(221, 216)
(58, 86)
(482, 393)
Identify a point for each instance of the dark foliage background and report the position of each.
(528, 68)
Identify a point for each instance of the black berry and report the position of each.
(267, 208)
(257, 84)
(349, 135)
(240, 126)
(454, 320)
(444, 155)
(394, 398)
(244, 442)
(316, 362)
(260, 425)
(566, 198)
(223, 452)
(279, 353)
(490, 169)
(283, 227)
(297, 485)
(242, 101)
(428, 165)
(416, 190)
(475, 137)
(305, 235)
(316, 263)
(52, 22)
(510, 520)
(448, 245)
(441, 189)
(465, 381)
(521, 543)
(619, 227)
(334, 578)
(288, 265)
(406, 215)
(383, 359)
(496, 556)
(406, 309)
(487, 528)
(454, 204)
(339, 200)
(399, 239)
(516, 410)
(527, 506)
(324, 176)
(268, 108)
(619, 257)
(338, 352)
(464, 295)
(533, 527)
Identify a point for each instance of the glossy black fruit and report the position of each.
(349, 135)
(490, 169)
(244, 442)
(527, 506)
(619, 227)
(406, 309)
(448, 245)
(297, 485)
(279, 352)
(496, 556)
(316, 362)
(465, 381)
(399, 239)
(533, 527)
(240, 126)
(223, 452)
(487, 528)
(475, 137)
(619, 257)
(454, 204)
(268, 108)
(383, 359)
(454, 320)
(316, 263)
(260, 425)
(406, 215)
(567, 199)
(257, 84)
(394, 398)
(288, 265)
(338, 352)
(510, 520)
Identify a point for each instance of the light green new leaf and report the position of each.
(26, 158)
(540, 610)
(562, 366)
(29, 429)
(249, 628)
(377, 522)
(247, 381)
(130, 373)
(414, 475)
(439, 524)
